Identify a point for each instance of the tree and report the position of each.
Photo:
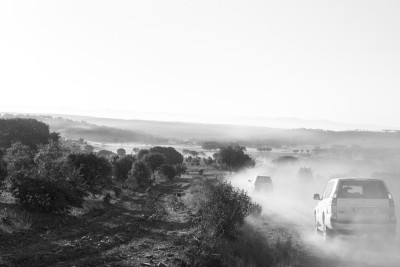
(49, 184)
(264, 149)
(55, 137)
(121, 152)
(172, 156)
(180, 169)
(81, 141)
(122, 166)
(29, 132)
(235, 158)
(89, 148)
(105, 153)
(211, 145)
(168, 171)
(3, 169)
(95, 171)
(140, 174)
(142, 153)
(154, 161)
(18, 157)
(136, 150)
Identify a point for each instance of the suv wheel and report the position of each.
(327, 234)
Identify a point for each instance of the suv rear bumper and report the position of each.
(370, 228)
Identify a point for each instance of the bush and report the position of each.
(168, 171)
(122, 166)
(225, 210)
(3, 169)
(172, 156)
(50, 186)
(180, 169)
(95, 171)
(234, 158)
(140, 174)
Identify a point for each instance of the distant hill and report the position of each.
(73, 129)
(119, 130)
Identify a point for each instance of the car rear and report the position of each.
(362, 205)
(263, 184)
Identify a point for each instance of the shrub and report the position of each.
(172, 156)
(180, 169)
(50, 187)
(122, 166)
(140, 174)
(95, 171)
(234, 157)
(3, 169)
(168, 171)
(225, 210)
(154, 161)
(29, 132)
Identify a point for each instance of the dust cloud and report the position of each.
(291, 204)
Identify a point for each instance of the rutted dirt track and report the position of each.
(137, 229)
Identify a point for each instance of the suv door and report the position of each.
(323, 203)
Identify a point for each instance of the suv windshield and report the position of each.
(362, 189)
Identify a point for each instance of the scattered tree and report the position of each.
(29, 132)
(154, 161)
(235, 158)
(122, 167)
(168, 171)
(172, 156)
(140, 174)
(121, 152)
(95, 171)
(89, 148)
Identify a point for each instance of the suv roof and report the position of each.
(356, 178)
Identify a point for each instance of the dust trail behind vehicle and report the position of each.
(291, 204)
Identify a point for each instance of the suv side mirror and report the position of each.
(317, 197)
(249, 181)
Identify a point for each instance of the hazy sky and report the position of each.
(336, 60)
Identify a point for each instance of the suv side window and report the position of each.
(328, 190)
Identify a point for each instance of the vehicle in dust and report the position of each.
(261, 184)
(355, 205)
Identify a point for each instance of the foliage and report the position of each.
(141, 153)
(49, 184)
(235, 158)
(264, 149)
(225, 210)
(88, 148)
(18, 157)
(105, 153)
(180, 169)
(168, 171)
(172, 156)
(190, 152)
(122, 166)
(211, 145)
(29, 132)
(154, 161)
(3, 168)
(140, 174)
(121, 152)
(95, 171)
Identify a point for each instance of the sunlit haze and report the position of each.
(203, 60)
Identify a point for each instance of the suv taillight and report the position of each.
(391, 208)
(333, 207)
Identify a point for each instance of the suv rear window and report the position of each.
(263, 179)
(362, 189)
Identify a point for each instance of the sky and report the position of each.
(203, 60)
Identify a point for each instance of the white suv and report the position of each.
(351, 205)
